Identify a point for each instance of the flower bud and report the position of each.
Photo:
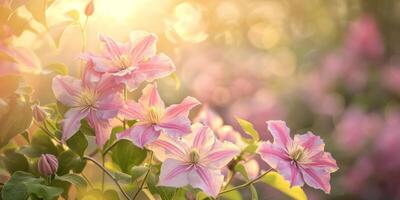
(89, 8)
(47, 165)
(39, 113)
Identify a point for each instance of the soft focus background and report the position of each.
(327, 66)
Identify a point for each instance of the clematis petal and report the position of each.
(67, 89)
(156, 67)
(140, 135)
(101, 127)
(107, 85)
(181, 109)
(176, 127)
(208, 180)
(72, 122)
(209, 117)
(312, 143)
(221, 155)
(317, 178)
(113, 49)
(290, 172)
(280, 132)
(133, 110)
(166, 147)
(100, 63)
(151, 97)
(132, 80)
(108, 106)
(323, 160)
(202, 138)
(142, 45)
(272, 154)
(174, 173)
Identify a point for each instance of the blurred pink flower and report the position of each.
(350, 136)
(196, 159)
(357, 177)
(390, 78)
(209, 117)
(300, 160)
(97, 102)
(132, 62)
(16, 60)
(154, 117)
(364, 39)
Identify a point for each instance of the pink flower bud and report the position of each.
(39, 113)
(89, 8)
(47, 165)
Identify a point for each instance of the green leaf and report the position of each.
(14, 161)
(68, 160)
(38, 10)
(166, 193)
(15, 188)
(233, 195)
(276, 181)
(40, 144)
(86, 129)
(138, 171)
(43, 192)
(254, 195)
(12, 122)
(61, 108)
(248, 128)
(126, 155)
(78, 143)
(242, 171)
(110, 195)
(57, 68)
(74, 179)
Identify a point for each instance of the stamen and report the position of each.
(194, 156)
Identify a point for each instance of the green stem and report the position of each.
(145, 177)
(87, 180)
(109, 148)
(246, 184)
(231, 174)
(102, 174)
(109, 174)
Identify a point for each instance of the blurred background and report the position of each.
(332, 67)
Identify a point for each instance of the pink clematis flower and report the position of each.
(98, 102)
(132, 62)
(300, 160)
(153, 117)
(195, 159)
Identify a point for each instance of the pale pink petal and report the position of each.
(143, 47)
(272, 154)
(107, 85)
(67, 89)
(174, 173)
(181, 109)
(102, 128)
(132, 80)
(167, 147)
(317, 178)
(202, 138)
(133, 110)
(100, 63)
(290, 172)
(209, 117)
(90, 75)
(112, 47)
(72, 122)
(108, 106)
(156, 67)
(221, 155)
(322, 160)
(177, 127)
(208, 180)
(312, 143)
(151, 97)
(25, 59)
(280, 132)
(140, 134)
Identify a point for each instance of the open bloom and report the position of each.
(195, 159)
(153, 117)
(300, 160)
(97, 102)
(132, 62)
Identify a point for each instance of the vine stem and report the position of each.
(109, 174)
(246, 184)
(145, 177)
(109, 148)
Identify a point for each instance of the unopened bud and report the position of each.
(39, 113)
(89, 8)
(47, 165)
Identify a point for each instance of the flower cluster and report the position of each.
(191, 154)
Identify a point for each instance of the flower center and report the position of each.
(123, 61)
(88, 98)
(194, 156)
(154, 114)
(298, 154)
